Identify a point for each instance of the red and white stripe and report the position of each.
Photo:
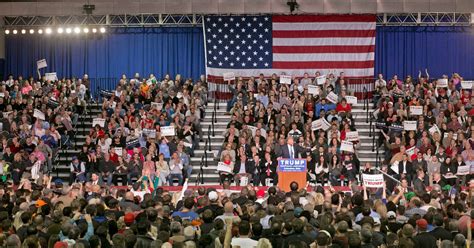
(311, 43)
(337, 42)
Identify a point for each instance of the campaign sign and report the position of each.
(373, 181)
(292, 165)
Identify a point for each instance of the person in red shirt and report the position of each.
(343, 106)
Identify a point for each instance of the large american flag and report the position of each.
(250, 45)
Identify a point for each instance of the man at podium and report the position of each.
(290, 149)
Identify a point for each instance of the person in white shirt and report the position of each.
(244, 239)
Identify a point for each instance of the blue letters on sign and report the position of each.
(292, 165)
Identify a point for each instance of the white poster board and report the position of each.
(157, 105)
(285, 79)
(320, 123)
(51, 76)
(373, 181)
(98, 121)
(442, 83)
(332, 97)
(394, 167)
(221, 166)
(352, 136)
(351, 100)
(313, 90)
(347, 146)
(38, 114)
(118, 151)
(467, 85)
(434, 129)
(187, 144)
(416, 110)
(229, 76)
(409, 125)
(150, 133)
(2, 94)
(463, 170)
(321, 80)
(41, 63)
(168, 131)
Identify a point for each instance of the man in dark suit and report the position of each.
(418, 184)
(405, 169)
(290, 150)
(420, 163)
(243, 168)
(268, 169)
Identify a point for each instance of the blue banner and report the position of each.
(292, 165)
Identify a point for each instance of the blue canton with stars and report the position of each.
(239, 42)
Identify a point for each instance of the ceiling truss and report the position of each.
(151, 20)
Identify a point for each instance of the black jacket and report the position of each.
(249, 167)
(424, 240)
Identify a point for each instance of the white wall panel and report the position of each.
(178, 6)
(337, 6)
(443, 5)
(257, 6)
(6, 9)
(390, 6)
(69, 7)
(310, 6)
(205, 6)
(231, 6)
(417, 6)
(364, 6)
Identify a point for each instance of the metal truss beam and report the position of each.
(425, 19)
(150, 20)
(125, 20)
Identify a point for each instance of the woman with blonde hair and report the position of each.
(162, 170)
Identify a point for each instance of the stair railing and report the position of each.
(366, 104)
(209, 137)
(372, 130)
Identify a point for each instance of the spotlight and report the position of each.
(48, 30)
(40, 31)
(7, 31)
(60, 30)
(94, 30)
(23, 31)
(86, 30)
(68, 30)
(77, 30)
(32, 31)
(15, 31)
(102, 30)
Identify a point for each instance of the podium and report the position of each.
(290, 170)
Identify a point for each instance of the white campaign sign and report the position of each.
(168, 131)
(347, 146)
(98, 121)
(351, 99)
(467, 85)
(434, 129)
(352, 136)
(409, 125)
(118, 151)
(285, 79)
(157, 105)
(229, 76)
(463, 170)
(442, 83)
(410, 152)
(313, 90)
(41, 63)
(221, 166)
(38, 114)
(373, 181)
(321, 80)
(332, 97)
(325, 124)
(316, 125)
(51, 76)
(416, 110)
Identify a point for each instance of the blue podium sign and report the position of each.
(292, 165)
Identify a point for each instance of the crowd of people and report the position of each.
(422, 203)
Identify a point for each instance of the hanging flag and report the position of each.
(293, 45)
